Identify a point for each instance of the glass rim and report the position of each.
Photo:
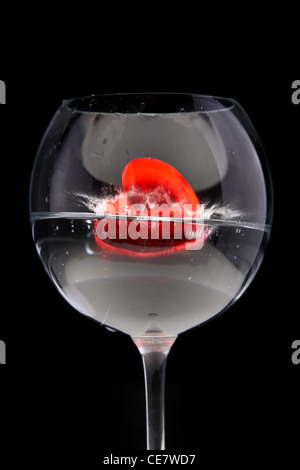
(149, 103)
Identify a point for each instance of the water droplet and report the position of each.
(190, 278)
(237, 246)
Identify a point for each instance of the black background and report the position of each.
(73, 390)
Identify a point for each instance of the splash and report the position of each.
(221, 212)
(95, 204)
(99, 205)
(161, 208)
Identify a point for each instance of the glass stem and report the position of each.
(154, 351)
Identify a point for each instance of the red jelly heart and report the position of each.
(152, 188)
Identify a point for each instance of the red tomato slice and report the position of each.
(141, 178)
(149, 173)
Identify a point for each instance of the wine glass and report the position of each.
(151, 213)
